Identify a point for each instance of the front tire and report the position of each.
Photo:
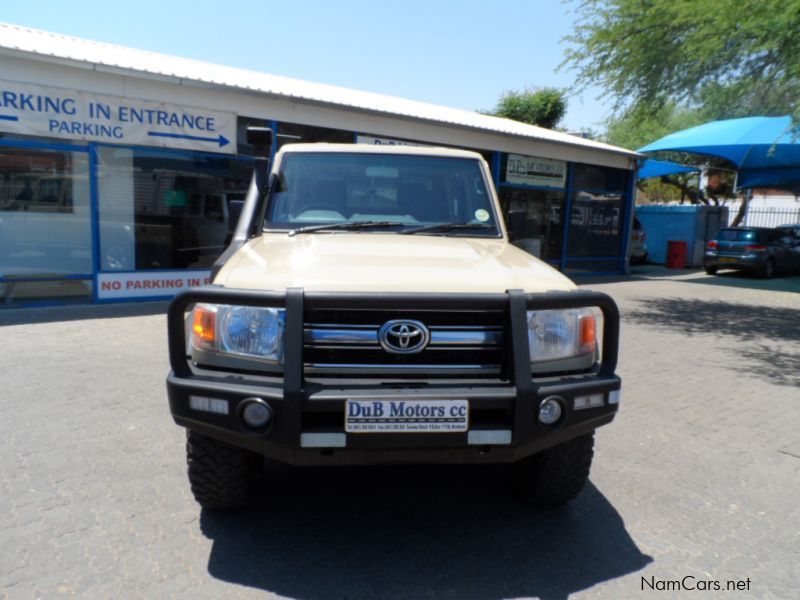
(556, 475)
(711, 270)
(222, 476)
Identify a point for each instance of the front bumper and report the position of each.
(308, 414)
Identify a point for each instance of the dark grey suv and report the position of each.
(759, 250)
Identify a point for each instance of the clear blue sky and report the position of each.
(460, 53)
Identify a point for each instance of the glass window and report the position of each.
(317, 188)
(295, 133)
(164, 210)
(594, 225)
(543, 230)
(598, 201)
(592, 177)
(242, 123)
(45, 223)
(737, 235)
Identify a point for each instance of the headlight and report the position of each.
(246, 331)
(556, 335)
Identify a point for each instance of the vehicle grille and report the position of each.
(462, 342)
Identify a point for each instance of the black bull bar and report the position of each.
(528, 392)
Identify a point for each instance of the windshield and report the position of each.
(405, 190)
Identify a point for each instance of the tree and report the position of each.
(544, 107)
(640, 125)
(731, 58)
(714, 59)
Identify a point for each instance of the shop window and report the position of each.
(242, 123)
(45, 224)
(295, 133)
(167, 210)
(592, 177)
(543, 210)
(594, 225)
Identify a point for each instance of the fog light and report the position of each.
(550, 410)
(256, 413)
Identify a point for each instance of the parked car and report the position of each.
(638, 243)
(759, 250)
(793, 228)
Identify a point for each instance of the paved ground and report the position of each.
(699, 476)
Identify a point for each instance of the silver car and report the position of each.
(638, 243)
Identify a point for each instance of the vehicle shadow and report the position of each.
(414, 532)
(79, 312)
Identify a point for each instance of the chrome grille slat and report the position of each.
(454, 337)
(345, 342)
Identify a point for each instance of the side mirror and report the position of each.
(260, 138)
(515, 222)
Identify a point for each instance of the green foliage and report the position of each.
(730, 57)
(640, 125)
(544, 107)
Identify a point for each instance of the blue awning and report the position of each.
(765, 151)
(660, 168)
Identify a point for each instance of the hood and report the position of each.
(379, 262)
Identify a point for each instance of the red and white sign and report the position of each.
(157, 284)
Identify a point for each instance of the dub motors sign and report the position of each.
(532, 170)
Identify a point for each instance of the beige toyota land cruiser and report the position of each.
(371, 310)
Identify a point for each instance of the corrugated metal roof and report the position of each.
(53, 45)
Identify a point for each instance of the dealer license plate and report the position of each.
(406, 416)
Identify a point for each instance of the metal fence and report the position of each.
(766, 216)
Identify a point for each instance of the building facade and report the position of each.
(122, 172)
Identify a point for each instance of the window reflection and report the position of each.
(167, 211)
(45, 224)
(543, 210)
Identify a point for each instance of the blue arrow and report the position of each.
(221, 140)
(8, 118)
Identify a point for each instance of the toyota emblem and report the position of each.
(403, 337)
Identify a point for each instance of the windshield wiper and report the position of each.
(447, 227)
(351, 225)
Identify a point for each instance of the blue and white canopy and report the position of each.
(764, 150)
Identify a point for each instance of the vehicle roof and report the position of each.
(379, 149)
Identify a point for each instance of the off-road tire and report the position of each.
(768, 270)
(711, 270)
(222, 476)
(556, 475)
